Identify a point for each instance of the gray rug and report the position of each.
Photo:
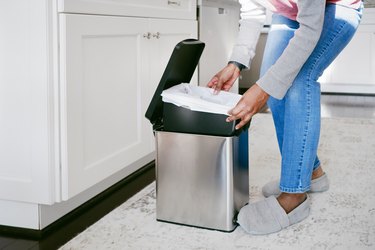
(341, 218)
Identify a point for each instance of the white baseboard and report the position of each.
(347, 88)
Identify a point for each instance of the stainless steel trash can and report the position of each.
(201, 171)
(202, 180)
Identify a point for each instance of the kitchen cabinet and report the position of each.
(167, 35)
(353, 71)
(29, 138)
(74, 89)
(110, 67)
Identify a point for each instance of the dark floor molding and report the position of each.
(88, 213)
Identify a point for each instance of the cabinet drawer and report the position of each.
(178, 9)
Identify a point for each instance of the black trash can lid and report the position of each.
(180, 69)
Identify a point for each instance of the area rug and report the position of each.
(341, 218)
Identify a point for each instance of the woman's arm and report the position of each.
(280, 76)
(252, 19)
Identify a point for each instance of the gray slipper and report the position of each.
(320, 184)
(267, 216)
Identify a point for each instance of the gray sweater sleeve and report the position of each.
(253, 16)
(277, 80)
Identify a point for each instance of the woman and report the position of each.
(304, 38)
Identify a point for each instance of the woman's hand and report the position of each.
(225, 78)
(250, 104)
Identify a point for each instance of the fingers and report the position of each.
(251, 102)
(244, 121)
(240, 112)
(244, 116)
(213, 82)
(218, 85)
(224, 79)
(229, 83)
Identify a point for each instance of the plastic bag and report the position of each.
(200, 99)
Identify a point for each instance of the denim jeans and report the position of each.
(297, 115)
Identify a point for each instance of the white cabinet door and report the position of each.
(178, 9)
(166, 34)
(103, 82)
(354, 69)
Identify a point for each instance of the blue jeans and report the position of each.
(297, 115)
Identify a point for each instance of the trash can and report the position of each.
(201, 160)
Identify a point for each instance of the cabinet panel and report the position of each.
(103, 83)
(26, 119)
(354, 69)
(179, 9)
(166, 34)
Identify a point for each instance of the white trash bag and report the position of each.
(200, 99)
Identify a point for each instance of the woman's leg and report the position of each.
(302, 101)
(282, 30)
(299, 110)
(297, 121)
